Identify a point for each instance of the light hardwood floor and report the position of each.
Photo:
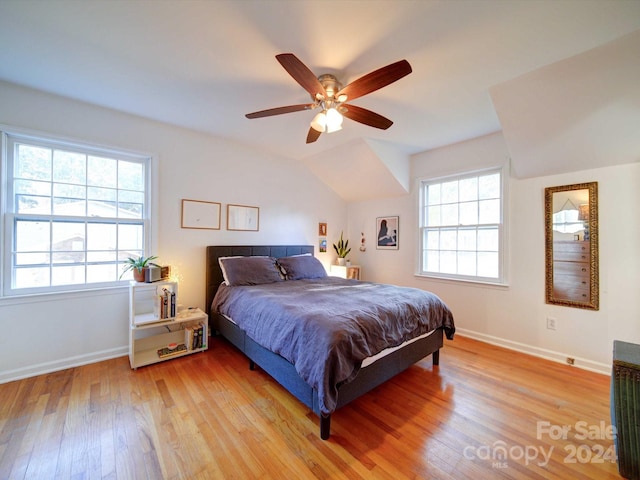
(208, 416)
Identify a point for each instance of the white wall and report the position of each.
(515, 316)
(45, 333)
(48, 332)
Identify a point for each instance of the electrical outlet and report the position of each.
(570, 361)
(551, 323)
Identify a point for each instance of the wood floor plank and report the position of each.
(484, 413)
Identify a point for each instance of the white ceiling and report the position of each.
(204, 64)
(576, 114)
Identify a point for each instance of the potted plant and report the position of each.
(137, 265)
(342, 249)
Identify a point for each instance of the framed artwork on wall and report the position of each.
(243, 217)
(200, 215)
(388, 229)
(322, 237)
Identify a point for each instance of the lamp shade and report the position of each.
(334, 120)
(319, 122)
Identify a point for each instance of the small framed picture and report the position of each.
(200, 215)
(243, 217)
(388, 229)
(322, 229)
(322, 244)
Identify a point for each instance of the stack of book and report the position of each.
(166, 304)
(194, 336)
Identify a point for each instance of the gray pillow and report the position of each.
(299, 267)
(249, 270)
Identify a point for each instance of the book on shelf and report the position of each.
(166, 304)
(194, 336)
(169, 352)
(188, 337)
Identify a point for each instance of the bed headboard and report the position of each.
(214, 274)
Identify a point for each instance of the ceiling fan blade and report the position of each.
(313, 135)
(365, 116)
(301, 74)
(376, 80)
(280, 110)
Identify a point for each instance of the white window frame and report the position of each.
(8, 136)
(502, 279)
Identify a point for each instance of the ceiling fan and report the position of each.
(328, 94)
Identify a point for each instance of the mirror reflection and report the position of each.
(572, 249)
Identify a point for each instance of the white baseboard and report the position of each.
(70, 362)
(54, 366)
(559, 357)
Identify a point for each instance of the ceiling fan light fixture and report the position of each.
(334, 120)
(328, 95)
(319, 122)
(333, 128)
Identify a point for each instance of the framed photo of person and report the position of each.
(388, 230)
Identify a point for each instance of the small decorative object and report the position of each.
(322, 229)
(388, 230)
(342, 249)
(363, 247)
(137, 265)
(169, 352)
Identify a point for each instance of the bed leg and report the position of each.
(436, 357)
(325, 427)
(252, 365)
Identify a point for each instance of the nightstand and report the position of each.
(346, 271)
(157, 331)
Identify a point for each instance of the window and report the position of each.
(73, 214)
(461, 227)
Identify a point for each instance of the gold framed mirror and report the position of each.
(571, 245)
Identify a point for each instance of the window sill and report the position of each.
(463, 281)
(60, 296)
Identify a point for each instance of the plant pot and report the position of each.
(342, 261)
(138, 275)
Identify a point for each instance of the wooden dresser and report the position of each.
(571, 270)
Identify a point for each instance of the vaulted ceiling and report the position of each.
(551, 75)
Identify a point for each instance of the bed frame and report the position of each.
(282, 370)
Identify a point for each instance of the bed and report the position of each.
(322, 397)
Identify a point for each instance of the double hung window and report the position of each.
(73, 213)
(461, 227)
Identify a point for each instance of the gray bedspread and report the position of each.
(326, 327)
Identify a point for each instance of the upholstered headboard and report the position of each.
(214, 273)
